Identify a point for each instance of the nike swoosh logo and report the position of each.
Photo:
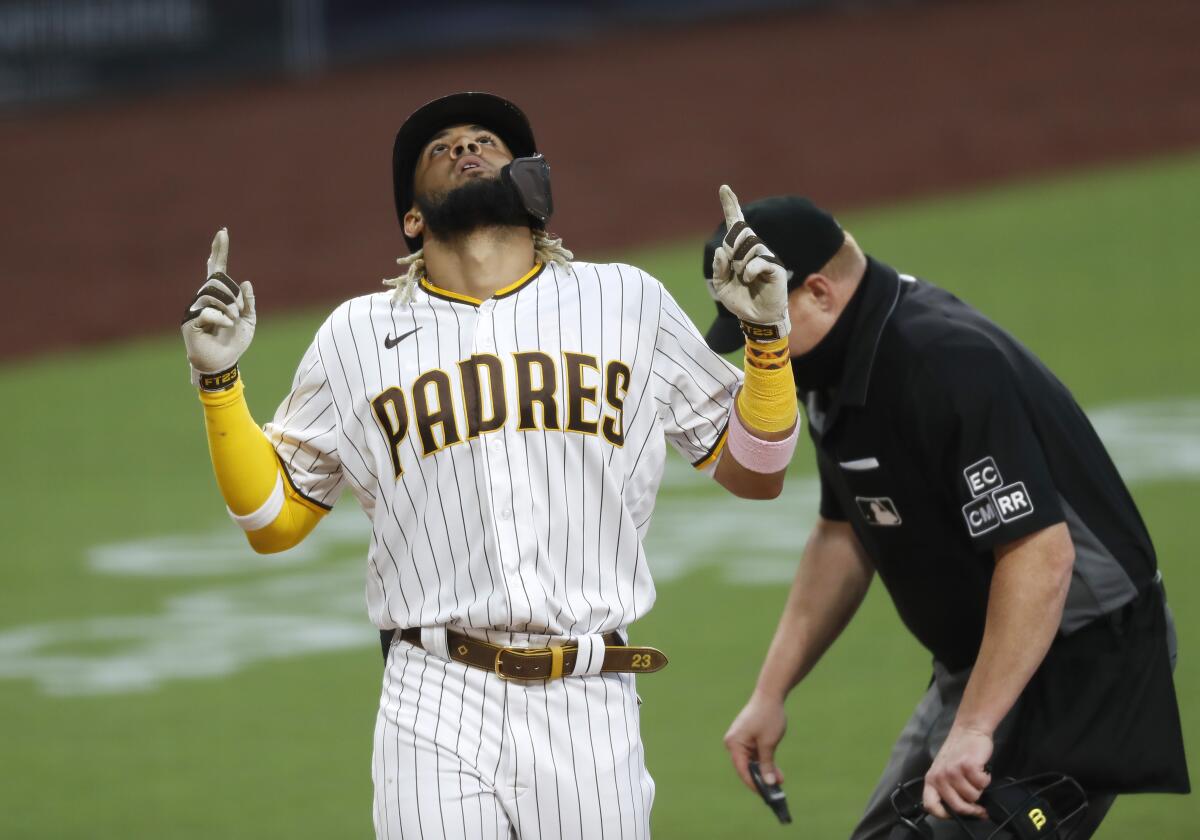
(390, 342)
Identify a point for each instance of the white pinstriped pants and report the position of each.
(460, 753)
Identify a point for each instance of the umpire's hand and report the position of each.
(958, 775)
(753, 736)
(219, 322)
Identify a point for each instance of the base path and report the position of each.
(110, 209)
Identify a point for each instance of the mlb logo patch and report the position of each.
(981, 516)
(982, 476)
(878, 510)
(1012, 502)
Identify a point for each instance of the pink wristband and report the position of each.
(755, 454)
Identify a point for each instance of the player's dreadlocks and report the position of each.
(546, 249)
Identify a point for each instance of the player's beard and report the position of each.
(478, 204)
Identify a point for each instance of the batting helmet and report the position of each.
(528, 171)
(1034, 808)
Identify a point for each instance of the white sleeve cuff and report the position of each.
(266, 514)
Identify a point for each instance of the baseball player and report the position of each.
(501, 417)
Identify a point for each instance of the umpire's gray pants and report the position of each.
(913, 754)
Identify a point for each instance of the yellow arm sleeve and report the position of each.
(767, 401)
(247, 471)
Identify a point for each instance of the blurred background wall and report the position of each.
(131, 129)
(62, 50)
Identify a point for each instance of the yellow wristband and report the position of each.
(768, 398)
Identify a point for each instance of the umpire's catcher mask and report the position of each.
(528, 173)
(1034, 808)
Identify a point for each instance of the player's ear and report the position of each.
(414, 225)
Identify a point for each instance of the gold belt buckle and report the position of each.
(556, 660)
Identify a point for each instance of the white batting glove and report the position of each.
(748, 279)
(219, 322)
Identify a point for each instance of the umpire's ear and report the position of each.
(820, 288)
(414, 225)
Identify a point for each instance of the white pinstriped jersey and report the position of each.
(508, 451)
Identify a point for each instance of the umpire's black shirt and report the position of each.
(945, 438)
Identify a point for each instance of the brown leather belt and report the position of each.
(544, 663)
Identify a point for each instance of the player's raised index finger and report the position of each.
(219, 257)
(729, 204)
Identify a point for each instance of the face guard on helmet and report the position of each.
(528, 173)
(1034, 808)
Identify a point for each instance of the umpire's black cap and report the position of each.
(486, 109)
(802, 235)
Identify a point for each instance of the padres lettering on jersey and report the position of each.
(485, 402)
(508, 451)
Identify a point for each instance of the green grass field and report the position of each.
(159, 680)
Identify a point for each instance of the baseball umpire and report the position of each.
(957, 467)
(501, 417)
